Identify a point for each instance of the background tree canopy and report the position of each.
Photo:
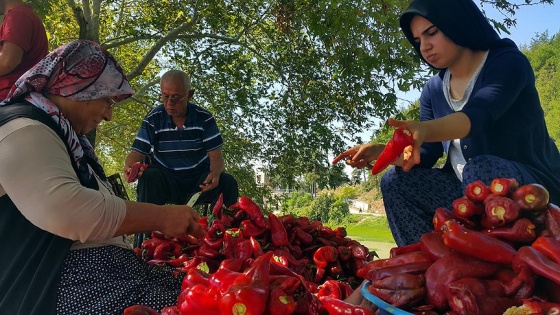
(289, 81)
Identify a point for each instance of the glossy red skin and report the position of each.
(402, 138)
(531, 197)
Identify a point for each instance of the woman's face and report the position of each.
(438, 50)
(84, 116)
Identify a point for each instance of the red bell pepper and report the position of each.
(339, 307)
(140, 310)
(304, 237)
(170, 310)
(325, 255)
(199, 299)
(218, 206)
(464, 207)
(244, 249)
(232, 236)
(249, 228)
(401, 139)
(531, 197)
(450, 268)
(548, 246)
(391, 270)
(503, 186)
(552, 220)
(432, 244)
(195, 276)
(399, 250)
(501, 210)
(252, 210)
(472, 296)
(341, 232)
(477, 191)
(538, 262)
(521, 231)
(249, 293)
(442, 215)
(477, 244)
(335, 289)
(134, 170)
(401, 290)
(257, 248)
(278, 232)
(280, 302)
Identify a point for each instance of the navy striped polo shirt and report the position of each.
(176, 149)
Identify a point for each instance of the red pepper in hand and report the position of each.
(531, 197)
(339, 307)
(477, 244)
(477, 191)
(402, 138)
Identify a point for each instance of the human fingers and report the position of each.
(344, 155)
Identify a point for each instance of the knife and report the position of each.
(194, 198)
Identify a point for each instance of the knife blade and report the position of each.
(193, 199)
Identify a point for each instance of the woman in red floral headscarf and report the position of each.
(61, 225)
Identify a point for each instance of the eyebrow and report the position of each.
(426, 31)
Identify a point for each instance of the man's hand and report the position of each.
(211, 182)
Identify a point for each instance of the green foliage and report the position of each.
(289, 81)
(369, 228)
(328, 208)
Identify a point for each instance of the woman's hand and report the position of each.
(360, 156)
(411, 154)
(180, 220)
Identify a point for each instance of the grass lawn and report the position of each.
(369, 228)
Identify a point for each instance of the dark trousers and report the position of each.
(160, 186)
(411, 198)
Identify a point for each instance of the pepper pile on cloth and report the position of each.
(249, 262)
(496, 252)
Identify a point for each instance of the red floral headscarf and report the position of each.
(80, 70)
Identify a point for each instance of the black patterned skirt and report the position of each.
(106, 280)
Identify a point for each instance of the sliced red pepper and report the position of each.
(549, 246)
(477, 244)
(503, 186)
(531, 197)
(339, 307)
(401, 139)
(278, 232)
(521, 231)
(477, 191)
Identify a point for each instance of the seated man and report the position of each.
(183, 144)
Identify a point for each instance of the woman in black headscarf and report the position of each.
(482, 110)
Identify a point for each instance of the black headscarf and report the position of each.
(460, 20)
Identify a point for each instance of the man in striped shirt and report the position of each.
(183, 145)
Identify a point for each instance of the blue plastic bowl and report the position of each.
(384, 307)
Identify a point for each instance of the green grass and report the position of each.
(368, 228)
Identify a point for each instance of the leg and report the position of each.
(156, 186)
(228, 186)
(488, 167)
(411, 198)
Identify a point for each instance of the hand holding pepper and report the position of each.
(360, 156)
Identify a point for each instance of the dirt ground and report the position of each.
(382, 249)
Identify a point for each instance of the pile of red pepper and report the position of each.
(498, 249)
(249, 262)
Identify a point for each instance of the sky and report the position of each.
(531, 20)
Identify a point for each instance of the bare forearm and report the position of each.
(454, 126)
